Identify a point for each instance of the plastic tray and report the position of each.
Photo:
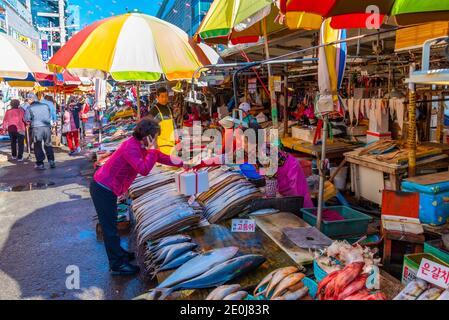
(355, 223)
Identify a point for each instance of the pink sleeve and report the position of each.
(167, 160)
(142, 165)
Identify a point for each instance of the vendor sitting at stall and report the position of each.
(248, 120)
(290, 176)
(162, 112)
(137, 155)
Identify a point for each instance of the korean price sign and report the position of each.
(243, 225)
(434, 273)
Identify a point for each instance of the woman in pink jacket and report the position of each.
(137, 155)
(70, 130)
(13, 123)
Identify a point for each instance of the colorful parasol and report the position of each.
(238, 21)
(17, 60)
(129, 47)
(408, 12)
(345, 14)
(332, 59)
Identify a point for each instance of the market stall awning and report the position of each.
(129, 47)
(345, 14)
(409, 12)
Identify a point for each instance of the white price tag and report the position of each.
(434, 273)
(243, 225)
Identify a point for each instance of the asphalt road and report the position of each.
(47, 235)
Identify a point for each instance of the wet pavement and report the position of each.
(47, 235)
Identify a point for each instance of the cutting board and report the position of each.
(273, 226)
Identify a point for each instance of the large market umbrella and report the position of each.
(17, 60)
(408, 12)
(238, 21)
(331, 69)
(242, 21)
(129, 47)
(345, 14)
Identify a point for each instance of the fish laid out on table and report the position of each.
(207, 270)
(283, 284)
(168, 253)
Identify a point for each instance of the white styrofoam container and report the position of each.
(190, 183)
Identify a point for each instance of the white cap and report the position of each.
(245, 106)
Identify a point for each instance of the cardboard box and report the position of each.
(190, 183)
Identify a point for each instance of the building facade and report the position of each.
(186, 14)
(199, 10)
(73, 22)
(16, 20)
(49, 17)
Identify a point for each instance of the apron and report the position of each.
(166, 140)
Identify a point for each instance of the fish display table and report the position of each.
(219, 236)
(269, 241)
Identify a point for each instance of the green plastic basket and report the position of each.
(355, 223)
(434, 247)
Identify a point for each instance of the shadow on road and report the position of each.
(42, 246)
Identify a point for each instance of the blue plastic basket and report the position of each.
(319, 273)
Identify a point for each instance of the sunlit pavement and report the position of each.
(49, 231)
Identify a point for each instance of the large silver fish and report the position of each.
(171, 252)
(223, 272)
(199, 265)
(177, 262)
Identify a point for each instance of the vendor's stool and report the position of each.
(403, 205)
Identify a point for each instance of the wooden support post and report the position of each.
(411, 141)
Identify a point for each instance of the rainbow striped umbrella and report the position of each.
(238, 21)
(129, 47)
(408, 12)
(345, 14)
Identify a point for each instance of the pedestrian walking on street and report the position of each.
(13, 122)
(70, 130)
(137, 155)
(84, 116)
(38, 115)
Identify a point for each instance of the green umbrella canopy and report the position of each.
(408, 12)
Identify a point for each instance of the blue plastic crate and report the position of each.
(433, 201)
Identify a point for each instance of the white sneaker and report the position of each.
(20, 159)
(14, 158)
